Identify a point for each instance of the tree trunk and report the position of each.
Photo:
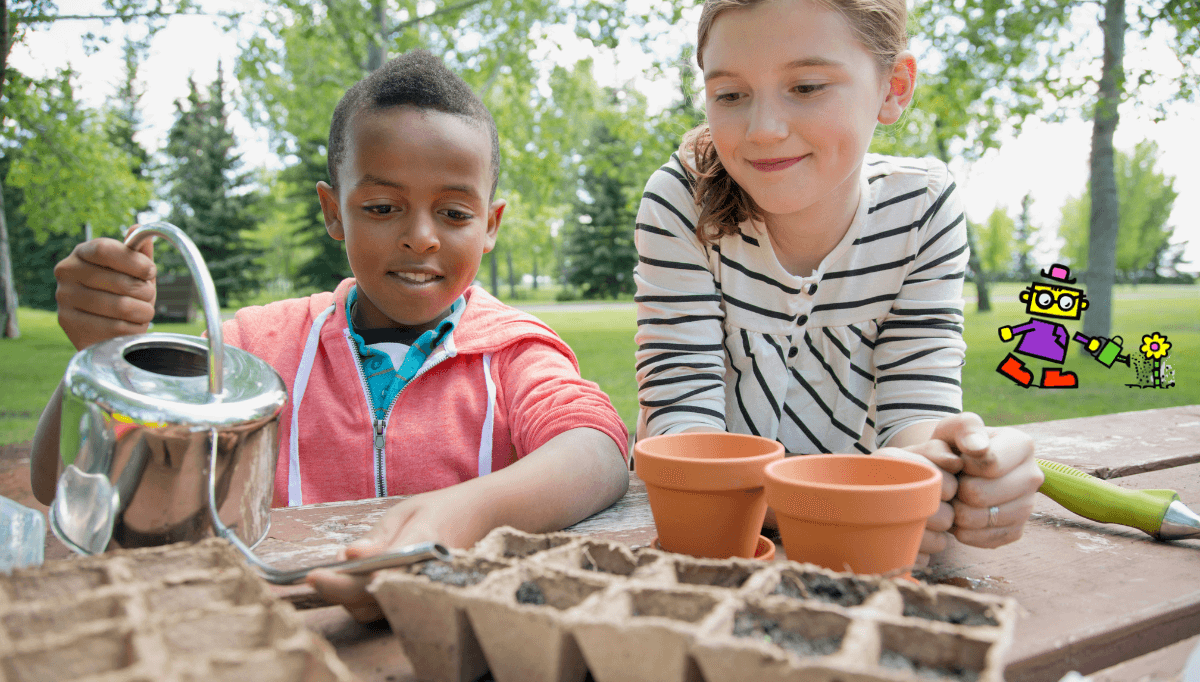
(535, 272)
(377, 50)
(1106, 209)
(512, 279)
(11, 330)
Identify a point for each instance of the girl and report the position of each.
(792, 286)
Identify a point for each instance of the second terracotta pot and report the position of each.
(706, 490)
(863, 513)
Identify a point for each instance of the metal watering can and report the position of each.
(169, 438)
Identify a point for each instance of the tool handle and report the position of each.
(1102, 501)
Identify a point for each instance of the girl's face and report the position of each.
(792, 101)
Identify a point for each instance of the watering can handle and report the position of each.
(208, 292)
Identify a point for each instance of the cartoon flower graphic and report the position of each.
(1155, 346)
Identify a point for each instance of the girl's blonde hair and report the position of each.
(881, 27)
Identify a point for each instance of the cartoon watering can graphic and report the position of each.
(1106, 351)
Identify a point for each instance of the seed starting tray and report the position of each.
(178, 613)
(554, 607)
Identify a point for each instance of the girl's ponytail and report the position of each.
(723, 203)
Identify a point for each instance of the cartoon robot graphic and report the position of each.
(1046, 339)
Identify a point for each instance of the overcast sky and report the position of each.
(1049, 160)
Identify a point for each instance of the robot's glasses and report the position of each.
(1053, 301)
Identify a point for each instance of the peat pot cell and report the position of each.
(457, 573)
(61, 584)
(513, 546)
(62, 616)
(91, 655)
(674, 604)
(947, 608)
(713, 574)
(605, 558)
(845, 591)
(932, 655)
(235, 629)
(271, 666)
(153, 566)
(205, 593)
(559, 592)
(801, 631)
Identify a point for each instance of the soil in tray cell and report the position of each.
(683, 606)
(64, 584)
(759, 627)
(92, 655)
(897, 661)
(731, 576)
(221, 631)
(450, 574)
(203, 593)
(946, 608)
(519, 547)
(60, 617)
(840, 591)
(560, 593)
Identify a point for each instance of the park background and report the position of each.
(214, 115)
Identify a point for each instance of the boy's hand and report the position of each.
(997, 483)
(937, 529)
(105, 290)
(444, 516)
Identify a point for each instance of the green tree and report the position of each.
(1025, 239)
(996, 245)
(1146, 196)
(15, 19)
(207, 190)
(997, 63)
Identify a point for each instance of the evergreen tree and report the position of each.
(1025, 238)
(207, 191)
(124, 118)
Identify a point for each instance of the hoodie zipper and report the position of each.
(379, 426)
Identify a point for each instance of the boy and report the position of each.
(405, 380)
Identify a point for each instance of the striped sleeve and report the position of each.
(680, 357)
(919, 350)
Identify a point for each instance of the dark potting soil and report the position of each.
(441, 572)
(747, 624)
(843, 592)
(898, 661)
(959, 616)
(530, 593)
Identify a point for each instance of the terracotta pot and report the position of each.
(863, 513)
(706, 490)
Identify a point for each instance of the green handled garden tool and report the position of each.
(1157, 512)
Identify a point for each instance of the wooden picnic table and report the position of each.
(1104, 600)
(1094, 598)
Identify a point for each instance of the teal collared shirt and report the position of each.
(384, 382)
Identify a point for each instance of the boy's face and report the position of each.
(413, 209)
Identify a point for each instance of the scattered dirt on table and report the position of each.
(963, 615)
(747, 624)
(442, 572)
(530, 592)
(898, 661)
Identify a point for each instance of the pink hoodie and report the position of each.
(499, 386)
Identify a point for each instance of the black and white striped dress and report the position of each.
(838, 361)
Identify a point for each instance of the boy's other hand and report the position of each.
(105, 290)
(445, 516)
(998, 481)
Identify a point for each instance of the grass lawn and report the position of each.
(603, 340)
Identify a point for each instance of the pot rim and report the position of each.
(640, 452)
(772, 474)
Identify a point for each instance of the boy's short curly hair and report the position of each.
(416, 79)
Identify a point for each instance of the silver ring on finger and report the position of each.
(992, 513)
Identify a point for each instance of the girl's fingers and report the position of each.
(986, 492)
(942, 519)
(934, 543)
(990, 537)
(1017, 511)
(349, 591)
(114, 255)
(938, 452)
(965, 432)
(1008, 449)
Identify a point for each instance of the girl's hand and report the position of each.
(937, 528)
(444, 516)
(997, 483)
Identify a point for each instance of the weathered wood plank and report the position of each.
(1092, 595)
(1123, 444)
(1163, 665)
